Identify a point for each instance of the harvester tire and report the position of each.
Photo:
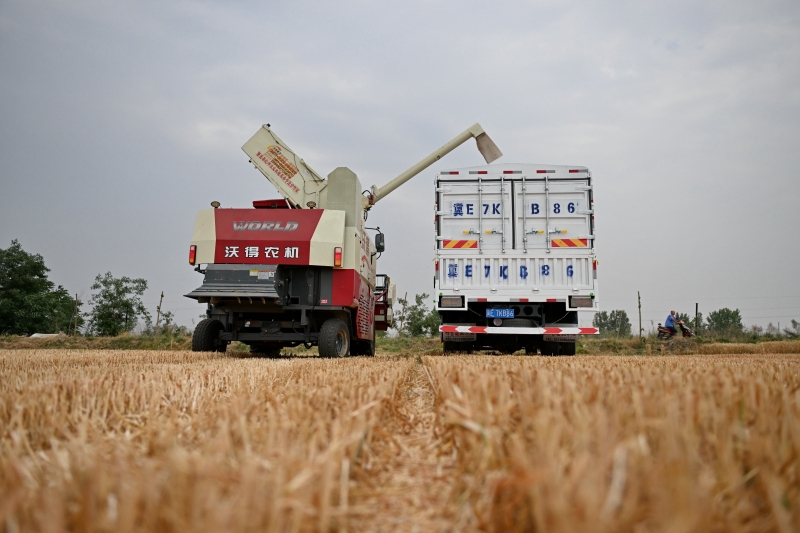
(334, 339)
(363, 347)
(206, 336)
(568, 348)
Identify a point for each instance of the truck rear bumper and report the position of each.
(519, 331)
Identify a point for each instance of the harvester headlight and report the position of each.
(215, 204)
(192, 254)
(451, 301)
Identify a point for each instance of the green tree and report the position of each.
(614, 323)
(417, 320)
(725, 321)
(117, 306)
(29, 302)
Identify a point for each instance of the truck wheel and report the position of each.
(450, 347)
(549, 348)
(206, 336)
(568, 348)
(334, 339)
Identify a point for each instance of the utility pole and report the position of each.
(75, 326)
(639, 297)
(696, 318)
(158, 314)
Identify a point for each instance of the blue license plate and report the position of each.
(499, 313)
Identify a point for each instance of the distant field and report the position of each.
(125, 440)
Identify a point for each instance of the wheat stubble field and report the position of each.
(102, 440)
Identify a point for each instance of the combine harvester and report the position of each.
(301, 269)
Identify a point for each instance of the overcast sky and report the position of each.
(119, 120)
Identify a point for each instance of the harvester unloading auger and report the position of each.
(300, 270)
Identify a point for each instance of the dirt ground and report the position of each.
(125, 440)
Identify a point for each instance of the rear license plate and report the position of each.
(499, 313)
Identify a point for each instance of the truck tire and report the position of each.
(550, 348)
(450, 347)
(567, 348)
(206, 336)
(334, 339)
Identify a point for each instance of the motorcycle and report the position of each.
(665, 334)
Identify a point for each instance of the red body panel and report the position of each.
(346, 288)
(260, 236)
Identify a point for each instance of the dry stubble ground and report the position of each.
(178, 441)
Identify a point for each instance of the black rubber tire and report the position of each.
(334, 339)
(451, 347)
(266, 350)
(362, 347)
(550, 348)
(568, 348)
(206, 336)
(517, 323)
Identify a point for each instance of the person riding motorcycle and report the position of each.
(669, 323)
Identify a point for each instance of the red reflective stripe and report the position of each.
(588, 330)
(483, 172)
(482, 299)
(449, 329)
(573, 170)
(453, 173)
(550, 331)
(478, 329)
(523, 299)
(552, 300)
(508, 172)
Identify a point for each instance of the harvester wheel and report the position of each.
(363, 347)
(334, 339)
(206, 336)
(568, 348)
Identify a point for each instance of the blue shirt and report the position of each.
(670, 322)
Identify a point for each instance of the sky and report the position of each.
(119, 120)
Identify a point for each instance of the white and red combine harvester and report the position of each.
(302, 269)
(515, 257)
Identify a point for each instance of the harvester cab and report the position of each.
(300, 270)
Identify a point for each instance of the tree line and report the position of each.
(31, 303)
(723, 321)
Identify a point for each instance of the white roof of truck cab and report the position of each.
(517, 170)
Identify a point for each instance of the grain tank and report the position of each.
(301, 269)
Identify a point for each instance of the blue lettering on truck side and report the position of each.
(468, 271)
(523, 272)
(469, 209)
(486, 271)
(534, 209)
(504, 272)
(452, 270)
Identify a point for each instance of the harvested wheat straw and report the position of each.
(176, 441)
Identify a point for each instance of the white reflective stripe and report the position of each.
(519, 331)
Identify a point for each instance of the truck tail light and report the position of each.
(337, 256)
(192, 254)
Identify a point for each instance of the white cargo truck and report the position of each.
(515, 257)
